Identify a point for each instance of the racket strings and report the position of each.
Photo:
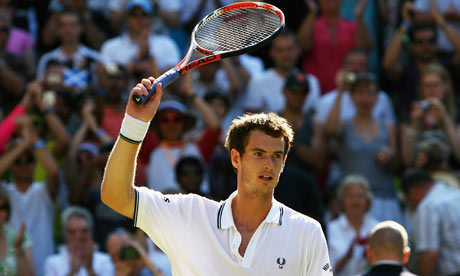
(237, 29)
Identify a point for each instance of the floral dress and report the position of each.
(8, 264)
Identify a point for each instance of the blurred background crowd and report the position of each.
(371, 88)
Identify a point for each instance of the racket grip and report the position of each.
(165, 79)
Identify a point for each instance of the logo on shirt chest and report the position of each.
(281, 262)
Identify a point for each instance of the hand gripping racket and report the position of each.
(229, 31)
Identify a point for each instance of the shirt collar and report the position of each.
(225, 216)
(387, 262)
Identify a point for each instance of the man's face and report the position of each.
(284, 52)
(295, 97)
(260, 166)
(78, 233)
(414, 196)
(69, 28)
(356, 62)
(190, 178)
(424, 45)
(138, 20)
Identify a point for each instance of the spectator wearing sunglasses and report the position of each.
(172, 121)
(32, 202)
(420, 39)
(16, 245)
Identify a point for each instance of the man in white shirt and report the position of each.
(248, 234)
(138, 47)
(79, 255)
(265, 92)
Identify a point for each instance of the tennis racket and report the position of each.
(229, 31)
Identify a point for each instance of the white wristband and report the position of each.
(133, 130)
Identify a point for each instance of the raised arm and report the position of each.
(390, 61)
(450, 32)
(117, 190)
(333, 124)
(362, 38)
(210, 118)
(305, 32)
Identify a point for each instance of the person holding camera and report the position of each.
(432, 115)
(366, 145)
(128, 256)
(79, 255)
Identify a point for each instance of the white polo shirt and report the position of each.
(200, 237)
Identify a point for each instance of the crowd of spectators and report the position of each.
(371, 89)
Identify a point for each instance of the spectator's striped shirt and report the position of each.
(437, 227)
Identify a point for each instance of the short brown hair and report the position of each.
(270, 124)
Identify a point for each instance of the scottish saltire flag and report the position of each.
(76, 78)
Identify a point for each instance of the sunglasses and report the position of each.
(25, 160)
(424, 41)
(171, 118)
(137, 14)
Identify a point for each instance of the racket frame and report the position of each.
(211, 56)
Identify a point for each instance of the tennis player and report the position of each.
(248, 234)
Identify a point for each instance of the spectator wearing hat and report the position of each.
(172, 121)
(309, 148)
(265, 92)
(138, 49)
(366, 145)
(436, 223)
(78, 61)
(297, 185)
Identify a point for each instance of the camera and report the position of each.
(129, 252)
(49, 99)
(425, 105)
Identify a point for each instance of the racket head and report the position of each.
(237, 28)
